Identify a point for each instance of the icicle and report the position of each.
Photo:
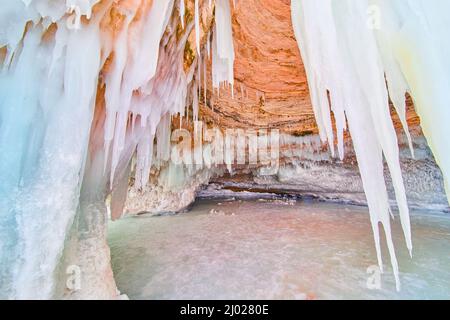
(163, 138)
(199, 76)
(113, 83)
(204, 80)
(63, 103)
(414, 49)
(197, 28)
(182, 12)
(144, 156)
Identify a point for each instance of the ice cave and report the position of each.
(224, 149)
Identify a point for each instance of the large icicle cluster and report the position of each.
(84, 85)
(351, 48)
(48, 85)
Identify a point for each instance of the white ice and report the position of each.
(350, 49)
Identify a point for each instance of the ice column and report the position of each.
(47, 93)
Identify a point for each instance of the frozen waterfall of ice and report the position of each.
(85, 85)
(351, 49)
(222, 47)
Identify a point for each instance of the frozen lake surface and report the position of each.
(274, 249)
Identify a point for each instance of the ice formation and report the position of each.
(86, 85)
(222, 48)
(42, 103)
(351, 48)
(182, 12)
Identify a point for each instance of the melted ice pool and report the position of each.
(274, 250)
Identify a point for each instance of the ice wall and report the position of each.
(351, 49)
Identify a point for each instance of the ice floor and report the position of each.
(277, 249)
